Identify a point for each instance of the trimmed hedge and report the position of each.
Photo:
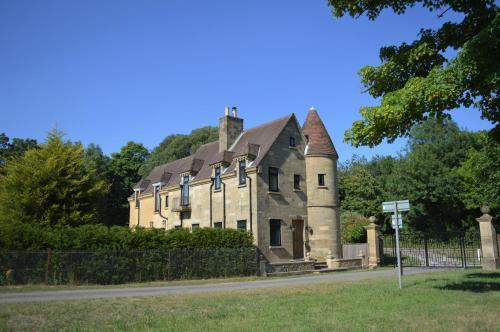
(110, 255)
(20, 236)
(114, 267)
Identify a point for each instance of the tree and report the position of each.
(416, 81)
(178, 146)
(123, 174)
(52, 185)
(480, 174)
(359, 190)
(17, 147)
(426, 176)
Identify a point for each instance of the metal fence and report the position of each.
(434, 250)
(114, 267)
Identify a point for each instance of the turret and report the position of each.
(322, 190)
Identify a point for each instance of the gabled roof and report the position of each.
(319, 141)
(254, 142)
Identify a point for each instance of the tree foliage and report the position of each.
(15, 148)
(447, 174)
(123, 174)
(178, 146)
(417, 81)
(52, 185)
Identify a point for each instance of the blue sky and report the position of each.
(108, 72)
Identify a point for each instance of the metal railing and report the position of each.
(114, 267)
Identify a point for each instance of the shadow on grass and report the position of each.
(484, 275)
(473, 286)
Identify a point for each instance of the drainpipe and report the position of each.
(250, 200)
(211, 188)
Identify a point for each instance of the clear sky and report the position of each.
(112, 71)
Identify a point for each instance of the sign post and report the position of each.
(395, 207)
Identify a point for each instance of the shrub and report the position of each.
(353, 228)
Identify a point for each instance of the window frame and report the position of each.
(195, 226)
(296, 181)
(271, 175)
(242, 165)
(275, 224)
(292, 142)
(238, 222)
(218, 225)
(321, 179)
(166, 201)
(217, 179)
(157, 196)
(185, 191)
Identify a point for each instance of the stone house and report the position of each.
(277, 180)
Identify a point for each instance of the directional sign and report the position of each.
(398, 220)
(391, 206)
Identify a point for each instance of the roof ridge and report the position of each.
(270, 122)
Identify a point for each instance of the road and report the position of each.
(6, 298)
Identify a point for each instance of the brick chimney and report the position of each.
(230, 127)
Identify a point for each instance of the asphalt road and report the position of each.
(6, 298)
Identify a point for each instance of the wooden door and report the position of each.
(298, 239)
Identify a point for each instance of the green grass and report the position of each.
(461, 300)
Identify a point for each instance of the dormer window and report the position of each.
(292, 142)
(185, 191)
(217, 180)
(137, 192)
(242, 172)
(157, 197)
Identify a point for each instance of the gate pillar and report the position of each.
(372, 237)
(489, 245)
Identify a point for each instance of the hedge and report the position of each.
(19, 236)
(114, 267)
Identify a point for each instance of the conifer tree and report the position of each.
(52, 185)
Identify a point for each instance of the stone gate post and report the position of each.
(372, 238)
(489, 245)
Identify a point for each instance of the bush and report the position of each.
(20, 236)
(353, 230)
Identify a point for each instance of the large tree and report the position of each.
(416, 81)
(51, 185)
(123, 174)
(178, 146)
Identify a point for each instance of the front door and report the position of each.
(298, 239)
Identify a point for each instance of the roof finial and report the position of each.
(312, 109)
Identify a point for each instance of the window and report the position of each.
(292, 142)
(218, 224)
(166, 201)
(243, 173)
(217, 178)
(321, 180)
(157, 198)
(195, 226)
(296, 181)
(137, 202)
(241, 225)
(273, 179)
(177, 227)
(185, 191)
(151, 224)
(275, 232)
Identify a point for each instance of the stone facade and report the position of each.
(301, 214)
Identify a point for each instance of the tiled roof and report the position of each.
(319, 141)
(255, 142)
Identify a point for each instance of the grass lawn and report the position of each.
(461, 300)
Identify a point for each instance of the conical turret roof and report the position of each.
(319, 141)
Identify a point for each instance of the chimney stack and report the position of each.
(230, 128)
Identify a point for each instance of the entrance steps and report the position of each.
(298, 268)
